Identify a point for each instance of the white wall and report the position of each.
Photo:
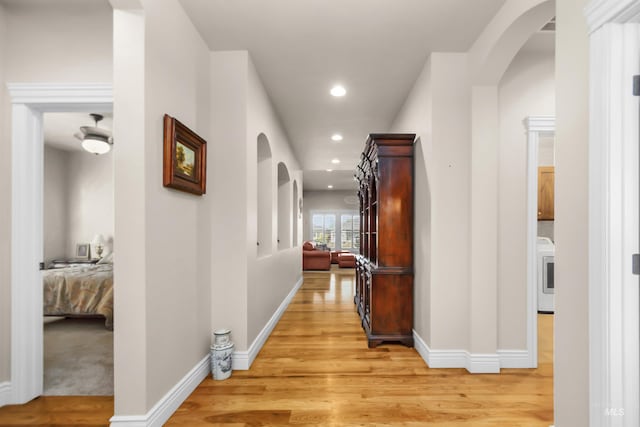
(422, 245)
(162, 247)
(270, 279)
(55, 194)
(285, 217)
(178, 316)
(526, 89)
(90, 200)
(450, 206)
(78, 200)
(437, 109)
(416, 116)
(546, 150)
(229, 209)
(5, 213)
(571, 361)
(324, 200)
(252, 287)
(264, 183)
(77, 48)
(53, 43)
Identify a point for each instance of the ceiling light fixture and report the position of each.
(338, 91)
(329, 187)
(336, 137)
(94, 139)
(329, 170)
(335, 161)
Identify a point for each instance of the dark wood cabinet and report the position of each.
(384, 268)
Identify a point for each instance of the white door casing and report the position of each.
(29, 102)
(613, 213)
(536, 127)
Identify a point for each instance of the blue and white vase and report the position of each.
(221, 354)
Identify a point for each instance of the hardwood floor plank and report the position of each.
(317, 366)
(87, 411)
(316, 370)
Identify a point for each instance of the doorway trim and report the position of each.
(614, 385)
(536, 126)
(29, 102)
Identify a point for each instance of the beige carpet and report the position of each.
(78, 358)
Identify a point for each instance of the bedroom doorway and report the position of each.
(29, 103)
(78, 230)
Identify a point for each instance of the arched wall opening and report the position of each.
(493, 299)
(295, 212)
(284, 208)
(264, 195)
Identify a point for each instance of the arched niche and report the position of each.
(284, 207)
(264, 196)
(295, 212)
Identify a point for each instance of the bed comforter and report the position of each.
(78, 291)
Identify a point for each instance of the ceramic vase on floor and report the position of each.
(221, 354)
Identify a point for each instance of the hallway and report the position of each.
(316, 369)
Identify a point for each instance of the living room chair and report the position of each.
(315, 259)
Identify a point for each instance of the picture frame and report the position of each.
(185, 158)
(83, 251)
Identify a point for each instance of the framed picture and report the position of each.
(185, 158)
(83, 251)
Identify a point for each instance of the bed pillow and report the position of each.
(107, 259)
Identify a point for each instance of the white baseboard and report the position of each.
(170, 402)
(474, 363)
(5, 393)
(242, 360)
(514, 359)
(483, 363)
(439, 358)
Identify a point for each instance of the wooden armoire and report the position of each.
(384, 268)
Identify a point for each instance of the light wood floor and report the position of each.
(316, 369)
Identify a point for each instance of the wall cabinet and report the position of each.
(384, 268)
(546, 193)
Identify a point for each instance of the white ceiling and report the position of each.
(375, 48)
(60, 127)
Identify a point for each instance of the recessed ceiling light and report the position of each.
(336, 137)
(329, 186)
(335, 161)
(338, 90)
(329, 170)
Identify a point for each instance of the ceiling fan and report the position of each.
(94, 139)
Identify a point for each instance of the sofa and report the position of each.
(315, 259)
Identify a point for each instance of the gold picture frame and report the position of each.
(185, 158)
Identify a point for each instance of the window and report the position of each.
(324, 229)
(338, 230)
(349, 231)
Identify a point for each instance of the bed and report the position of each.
(79, 291)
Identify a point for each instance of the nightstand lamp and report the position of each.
(98, 242)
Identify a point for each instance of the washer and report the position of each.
(546, 285)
